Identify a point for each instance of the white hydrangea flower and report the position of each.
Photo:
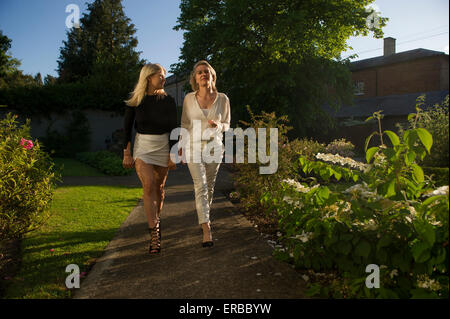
(412, 210)
(435, 223)
(443, 190)
(303, 237)
(298, 186)
(293, 202)
(337, 159)
(357, 223)
(371, 225)
(348, 207)
(363, 190)
(426, 282)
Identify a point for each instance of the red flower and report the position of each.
(28, 144)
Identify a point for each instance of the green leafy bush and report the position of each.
(340, 147)
(27, 180)
(435, 120)
(306, 147)
(390, 216)
(106, 162)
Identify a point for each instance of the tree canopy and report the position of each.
(103, 42)
(10, 75)
(97, 67)
(276, 55)
(101, 53)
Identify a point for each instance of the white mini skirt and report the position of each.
(152, 148)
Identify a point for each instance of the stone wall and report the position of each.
(102, 125)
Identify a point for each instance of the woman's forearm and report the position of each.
(126, 151)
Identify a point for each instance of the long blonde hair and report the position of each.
(194, 85)
(140, 90)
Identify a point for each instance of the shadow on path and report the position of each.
(240, 265)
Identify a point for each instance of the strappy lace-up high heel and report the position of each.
(155, 240)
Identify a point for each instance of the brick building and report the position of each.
(413, 71)
(391, 83)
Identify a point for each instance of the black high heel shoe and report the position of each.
(155, 240)
(207, 244)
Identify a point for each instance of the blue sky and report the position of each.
(37, 29)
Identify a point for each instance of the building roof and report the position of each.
(176, 78)
(394, 58)
(392, 105)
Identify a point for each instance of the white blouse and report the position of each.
(219, 112)
(205, 112)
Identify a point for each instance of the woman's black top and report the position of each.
(155, 115)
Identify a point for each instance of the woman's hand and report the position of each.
(180, 153)
(172, 165)
(212, 123)
(128, 161)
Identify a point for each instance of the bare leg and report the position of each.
(153, 178)
(160, 176)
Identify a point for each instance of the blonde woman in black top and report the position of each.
(155, 116)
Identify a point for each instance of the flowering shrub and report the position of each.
(389, 216)
(27, 144)
(250, 183)
(26, 180)
(341, 147)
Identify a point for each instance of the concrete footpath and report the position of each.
(239, 265)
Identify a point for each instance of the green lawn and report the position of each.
(84, 220)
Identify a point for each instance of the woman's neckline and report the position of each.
(201, 108)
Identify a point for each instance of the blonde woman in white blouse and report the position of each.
(212, 109)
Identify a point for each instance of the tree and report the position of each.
(6, 62)
(276, 55)
(102, 46)
(50, 80)
(10, 75)
(38, 79)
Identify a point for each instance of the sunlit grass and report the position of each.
(84, 219)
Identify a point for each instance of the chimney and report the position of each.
(389, 46)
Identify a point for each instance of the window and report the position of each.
(358, 88)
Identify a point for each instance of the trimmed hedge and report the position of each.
(44, 100)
